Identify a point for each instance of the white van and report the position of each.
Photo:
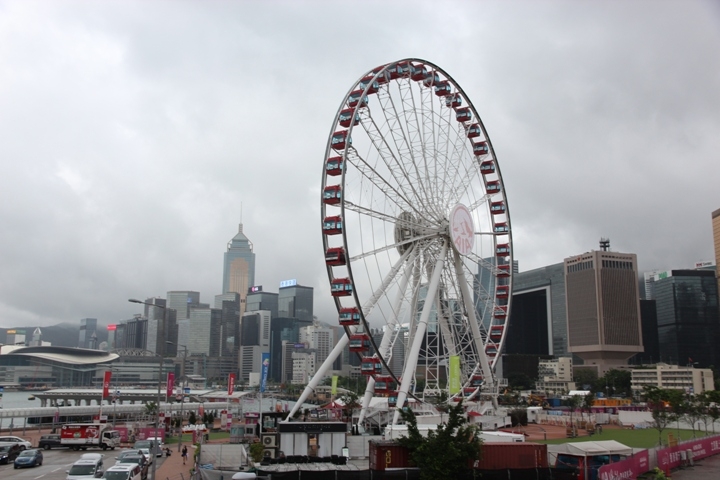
(125, 471)
(86, 468)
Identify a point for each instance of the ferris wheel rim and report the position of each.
(372, 75)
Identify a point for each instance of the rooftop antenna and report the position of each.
(605, 244)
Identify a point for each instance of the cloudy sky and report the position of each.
(135, 136)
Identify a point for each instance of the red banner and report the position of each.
(170, 385)
(231, 383)
(631, 467)
(106, 384)
(673, 457)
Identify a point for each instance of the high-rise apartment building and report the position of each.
(88, 326)
(295, 301)
(319, 338)
(688, 320)
(239, 267)
(603, 307)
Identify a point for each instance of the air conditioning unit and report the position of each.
(269, 440)
(269, 453)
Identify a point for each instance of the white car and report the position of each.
(24, 444)
(123, 471)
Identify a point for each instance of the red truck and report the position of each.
(83, 435)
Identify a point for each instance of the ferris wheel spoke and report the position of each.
(379, 182)
(392, 246)
(383, 148)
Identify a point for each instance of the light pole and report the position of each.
(157, 403)
(182, 397)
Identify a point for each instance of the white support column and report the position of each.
(412, 356)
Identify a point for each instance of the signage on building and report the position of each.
(709, 263)
(299, 345)
(288, 283)
(112, 327)
(255, 289)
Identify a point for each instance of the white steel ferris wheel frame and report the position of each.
(413, 208)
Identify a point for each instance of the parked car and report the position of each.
(24, 444)
(8, 452)
(145, 446)
(126, 471)
(158, 445)
(49, 441)
(139, 460)
(29, 458)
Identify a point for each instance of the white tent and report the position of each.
(589, 449)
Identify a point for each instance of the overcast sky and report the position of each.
(136, 136)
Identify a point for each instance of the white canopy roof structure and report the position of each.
(589, 449)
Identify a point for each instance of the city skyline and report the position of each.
(130, 143)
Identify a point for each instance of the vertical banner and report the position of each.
(333, 390)
(231, 383)
(170, 385)
(106, 384)
(264, 372)
(454, 386)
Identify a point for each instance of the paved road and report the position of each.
(706, 469)
(55, 463)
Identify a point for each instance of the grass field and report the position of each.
(645, 438)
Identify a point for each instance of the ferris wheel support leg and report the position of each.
(384, 349)
(470, 308)
(320, 374)
(411, 363)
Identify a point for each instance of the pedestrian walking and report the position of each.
(184, 454)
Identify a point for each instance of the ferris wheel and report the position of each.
(417, 235)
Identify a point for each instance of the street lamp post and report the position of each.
(182, 397)
(157, 403)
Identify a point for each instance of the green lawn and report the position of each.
(187, 437)
(645, 438)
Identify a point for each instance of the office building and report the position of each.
(648, 318)
(716, 242)
(295, 301)
(538, 318)
(204, 331)
(88, 326)
(687, 379)
(603, 307)
(259, 300)
(182, 301)
(484, 287)
(132, 334)
(229, 305)
(161, 327)
(239, 267)
(555, 376)
(688, 320)
(254, 341)
(304, 365)
(283, 330)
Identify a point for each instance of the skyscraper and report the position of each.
(254, 341)
(239, 267)
(603, 307)
(88, 326)
(162, 326)
(688, 321)
(716, 240)
(260, 300)
(181, 301)
(295, 301)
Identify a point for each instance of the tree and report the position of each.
(585, 377)
(662, 402)
(192, 419)
(150, 408)
(444, 453)
(616, 382)
(350, 402)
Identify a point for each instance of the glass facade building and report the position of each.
(296, 301)
(239, 267)
(687, 318)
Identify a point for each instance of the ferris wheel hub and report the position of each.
(462, 230)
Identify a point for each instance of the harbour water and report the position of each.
(18, 400)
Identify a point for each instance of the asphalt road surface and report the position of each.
(56, 462)
(705, 469)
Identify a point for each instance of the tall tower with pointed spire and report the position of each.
(239, 267)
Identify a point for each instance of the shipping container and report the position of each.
(385, 454)
(500, 456)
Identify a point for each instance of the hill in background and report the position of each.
(60, 335)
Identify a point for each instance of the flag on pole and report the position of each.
(333, 391)
(231, 384)
(170, 384)
(265, 368)
(106, 384)
(454, 386)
